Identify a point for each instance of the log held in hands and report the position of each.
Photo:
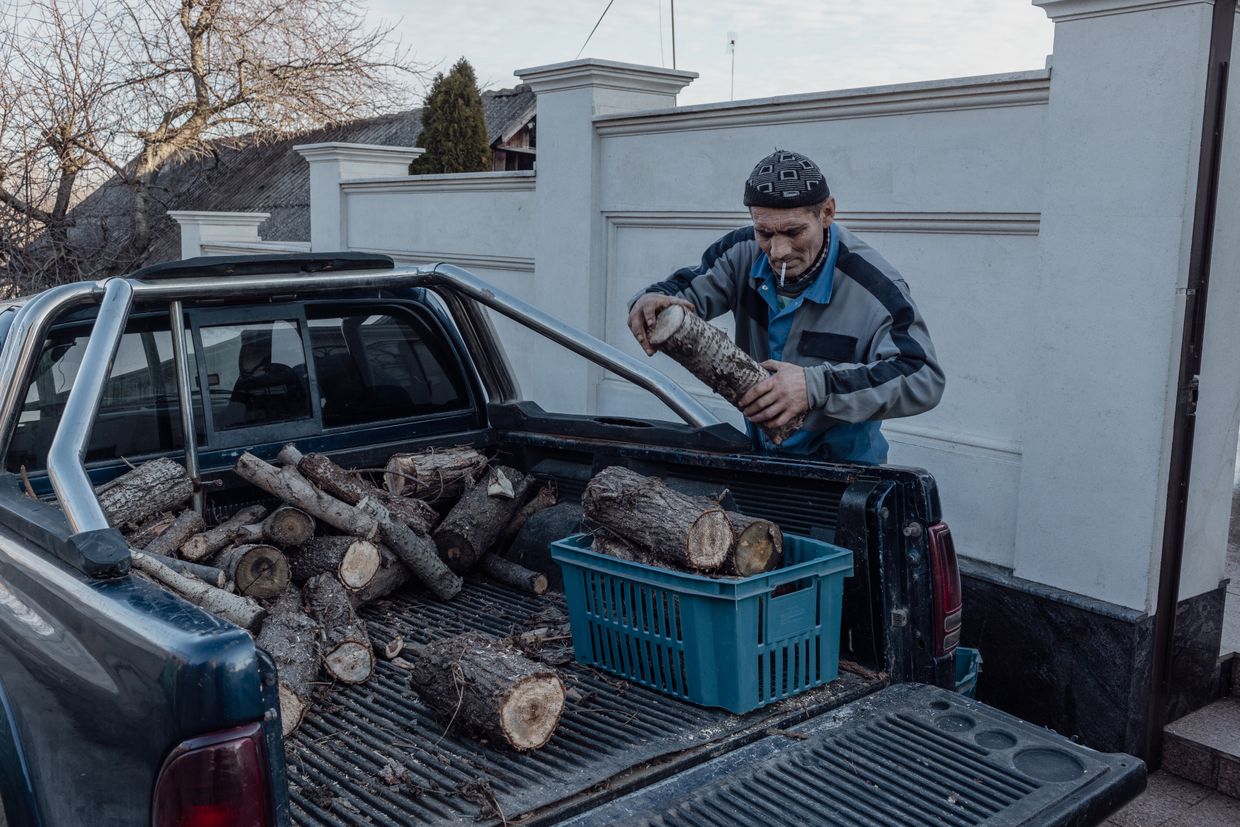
(708, 353)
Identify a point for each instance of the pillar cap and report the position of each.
(607, 74)
(340, 151)
(1059, 10)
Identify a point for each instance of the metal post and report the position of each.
(673, 2)
(185, 398)
(65, 460)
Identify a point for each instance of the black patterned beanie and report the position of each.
(786, 179)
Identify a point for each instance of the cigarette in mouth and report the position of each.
(782, 271)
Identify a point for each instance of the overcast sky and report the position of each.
(783, 47)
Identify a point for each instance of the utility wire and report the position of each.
(662, 57)
(595, 29)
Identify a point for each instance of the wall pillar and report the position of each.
(203, 227)
(333, 163)
(569, 230)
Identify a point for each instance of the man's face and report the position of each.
(792, 236)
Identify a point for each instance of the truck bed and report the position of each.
(373, 753)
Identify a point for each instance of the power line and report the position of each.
(662, 57)
(595, 29)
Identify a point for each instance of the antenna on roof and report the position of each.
(673, 2)
(732, 51)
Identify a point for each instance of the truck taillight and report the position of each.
(946, 576)
(215, 780)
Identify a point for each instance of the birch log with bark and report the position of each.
(242, 611)
(683, 532)
(338, 482)
(347, 652)
(487, 688)
(435, 474)
(206, 543)
(291, 637)
(708, 353)
(258, 570)
(186, 525)
(473, 525)
(152, 487)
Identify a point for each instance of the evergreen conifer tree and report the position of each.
(454, 130)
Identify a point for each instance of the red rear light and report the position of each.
(215, 780)
(946, 576)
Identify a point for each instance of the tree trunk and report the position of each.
(435, 474)
(332, 479)
(231, 607)
(478, 518)
(347, 653)
(258, 570)
(708, 353)
(488, 689)
(186, 525)
(351, 559)
(392, 574)
(291, 637)
(512, 574)
(152, 487)
(365, 520)
(206, 543)
(682, 532)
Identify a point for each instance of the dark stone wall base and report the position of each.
(1082, 666)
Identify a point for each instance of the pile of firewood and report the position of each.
(294, 577)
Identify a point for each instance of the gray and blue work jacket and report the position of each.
(863, 343)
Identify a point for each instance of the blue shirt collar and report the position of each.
(819, 291)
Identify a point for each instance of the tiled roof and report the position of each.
(250, 175)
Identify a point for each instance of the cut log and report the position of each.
(392, 574)
(541, 501)
(512, 574)
(258, 570)
(186, 525)
(391, 649)
(242, 611)
(758, 546)
(347, 653)
(683, 532)
(151, 528)
(354, 560)
(285, 527)
(207, 574)
(488, 689)
(435, 474)
(367, 520)
(604, 543)
(532, 545)
(291, 637)
(474, 524)
(332, 479)
(708, 353)
(152, 487)
(206, 543)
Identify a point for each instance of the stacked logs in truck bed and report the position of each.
(295, 576)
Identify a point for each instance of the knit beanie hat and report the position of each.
(786, 179)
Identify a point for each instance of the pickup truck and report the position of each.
(121, 703)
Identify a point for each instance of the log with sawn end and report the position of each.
(354, 560)
(332, 479)
(152, 487)
(150, 528)
(242, 611)
(708, 353)
(186, 525)
(206, 543)
(541, 501)
(392, 574)
(434, 474)
(368, 520)
(291, 637)
(476, 521)
(488, 689)
(258, 570)
(347, 652)
(682, 531)
(513, 574)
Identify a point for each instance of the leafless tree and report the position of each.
(96, 88)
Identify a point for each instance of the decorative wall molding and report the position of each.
(963, 223)
(986, 92)
(1064, 10)
(607, 74)
(358, 153)
(475, 261)
(522, 181)
(936, 439)
(221, 248)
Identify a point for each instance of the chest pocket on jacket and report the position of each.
(829, 346)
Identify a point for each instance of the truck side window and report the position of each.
(139, 414)
(379, 364)
(256, 373)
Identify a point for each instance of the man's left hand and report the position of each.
(778, 399)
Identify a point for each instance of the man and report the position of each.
(819, 308)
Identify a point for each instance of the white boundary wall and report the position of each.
(1042, 219)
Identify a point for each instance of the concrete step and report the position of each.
(1204, 747)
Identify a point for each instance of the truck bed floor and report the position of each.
(373, 753)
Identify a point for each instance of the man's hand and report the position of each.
(644, 312)
(778, 399)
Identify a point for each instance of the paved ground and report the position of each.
(1173, 802)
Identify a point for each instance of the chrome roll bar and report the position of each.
(66, 467)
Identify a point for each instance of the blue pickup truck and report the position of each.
(122, 704)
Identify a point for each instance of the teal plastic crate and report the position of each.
(737, 643)
(968, 670)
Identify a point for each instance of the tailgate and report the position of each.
(909, 755)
